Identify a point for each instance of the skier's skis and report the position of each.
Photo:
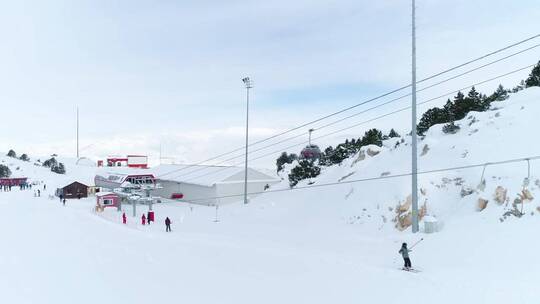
(410, 270)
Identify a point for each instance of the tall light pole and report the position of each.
(249, 85)
(77, 133)
(413, 132)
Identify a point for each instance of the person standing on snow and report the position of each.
(167, 224)
(124, 218)
(405, 254)
(64, 201)
(143, 219)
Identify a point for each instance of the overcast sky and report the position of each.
(145, 73)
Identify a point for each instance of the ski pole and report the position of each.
(416, 243)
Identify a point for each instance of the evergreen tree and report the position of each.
(393, 133)
(283, 159)
(432, 117)
(4, 171)
(372, 137)
(24, 157)
(500, 94)
(534, 77)
(12, 153)
(325, 156)
(305, 169)
(60, 169)
(50, 163)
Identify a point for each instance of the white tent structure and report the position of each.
(209, 185)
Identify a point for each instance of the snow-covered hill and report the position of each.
(335, 244)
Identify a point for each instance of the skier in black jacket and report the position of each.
(405, 254)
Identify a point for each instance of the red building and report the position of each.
(15, 181)
(107, 199)
(131, 161)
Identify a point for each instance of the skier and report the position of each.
(405, 254)
(143, 219)
(38, 193)
(61, 196)
(64, 201)
(44, 187)
(124, 218)
(167, 224)
(148, 218)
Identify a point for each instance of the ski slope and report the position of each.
(335, 244)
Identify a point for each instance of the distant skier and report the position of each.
(64, 201)
(167, 224)
(124, 218)
(143, 219)
(148, 218)
(61, 196)
(44, 187)
(38, 193)
(405, 254)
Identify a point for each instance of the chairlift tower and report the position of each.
(414, 175)
(249, 84)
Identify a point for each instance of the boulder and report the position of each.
(525, 196)
(481, 204)
(425, 150)
(372, 152)
(500, 195)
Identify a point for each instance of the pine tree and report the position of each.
(50, 163)
(325, 156)
(534, 77)
(305, 169)
(24, 157)
(60, 169)
(283, 159)
(12, 153)
(393, 133)
(4, 171)
(372, 137)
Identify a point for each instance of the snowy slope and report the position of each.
(333, 244)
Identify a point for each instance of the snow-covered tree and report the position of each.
(50, 163)
(534, 77)
(60, 168)
(12, 153)
(393, 133)
(4, 171)
(304, 170)
(24, 157)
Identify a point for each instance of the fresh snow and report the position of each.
(332, 244)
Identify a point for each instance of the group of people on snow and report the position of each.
(146, 219)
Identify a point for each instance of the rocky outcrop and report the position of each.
(481, 204)
(500, 195)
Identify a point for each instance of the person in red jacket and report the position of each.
(167, 224)
(143, 219)
(124, 218)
